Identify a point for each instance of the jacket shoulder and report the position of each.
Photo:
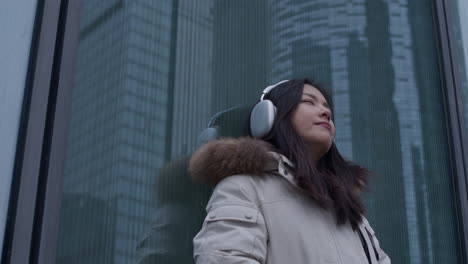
(239, 188)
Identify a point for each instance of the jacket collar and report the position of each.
(281, 166)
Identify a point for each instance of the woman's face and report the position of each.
(312, 121)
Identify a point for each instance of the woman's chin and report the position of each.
(321, 145)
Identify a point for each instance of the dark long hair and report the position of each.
(334, 184)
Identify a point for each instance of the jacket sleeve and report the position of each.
(234, 230)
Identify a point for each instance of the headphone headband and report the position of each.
(271, 87)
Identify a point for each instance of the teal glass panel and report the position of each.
(152, 76)
(458, 12)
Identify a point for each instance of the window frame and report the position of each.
(34, 206)
(458, 143)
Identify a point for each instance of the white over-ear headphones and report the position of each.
(263, 114)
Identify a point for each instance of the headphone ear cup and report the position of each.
(208, 134)
(262, 118)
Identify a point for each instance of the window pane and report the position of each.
(151, 76)
(459, 14)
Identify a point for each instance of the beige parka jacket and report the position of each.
(257, 213)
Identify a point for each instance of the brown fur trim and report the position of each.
(225, 157)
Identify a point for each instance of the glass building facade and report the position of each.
(145, 80)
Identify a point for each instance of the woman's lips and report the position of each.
(327, 125)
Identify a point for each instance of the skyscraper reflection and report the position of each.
(150, 74)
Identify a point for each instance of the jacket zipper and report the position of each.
(373, 244)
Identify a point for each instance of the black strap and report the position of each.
(364, 245)
(373, 244)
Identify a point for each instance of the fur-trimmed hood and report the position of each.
(221, 158)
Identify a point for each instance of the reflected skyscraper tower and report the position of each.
(119, 109)
(435, 247)
(406, 100)
(320, 29)
(377, 139)
(304, 51)
(193, 71)
(148, 71)
(240, 48)
(376, 99)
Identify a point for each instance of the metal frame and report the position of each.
(37, 177)
(30, 140)
(454, 115)
(64, 69)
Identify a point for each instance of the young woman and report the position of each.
(285, 195)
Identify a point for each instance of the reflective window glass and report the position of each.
(153, 76)
(458, 12)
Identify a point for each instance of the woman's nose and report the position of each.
(326, 113)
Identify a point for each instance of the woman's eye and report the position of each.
(308, 102)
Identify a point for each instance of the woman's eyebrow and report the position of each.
(316, 99)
